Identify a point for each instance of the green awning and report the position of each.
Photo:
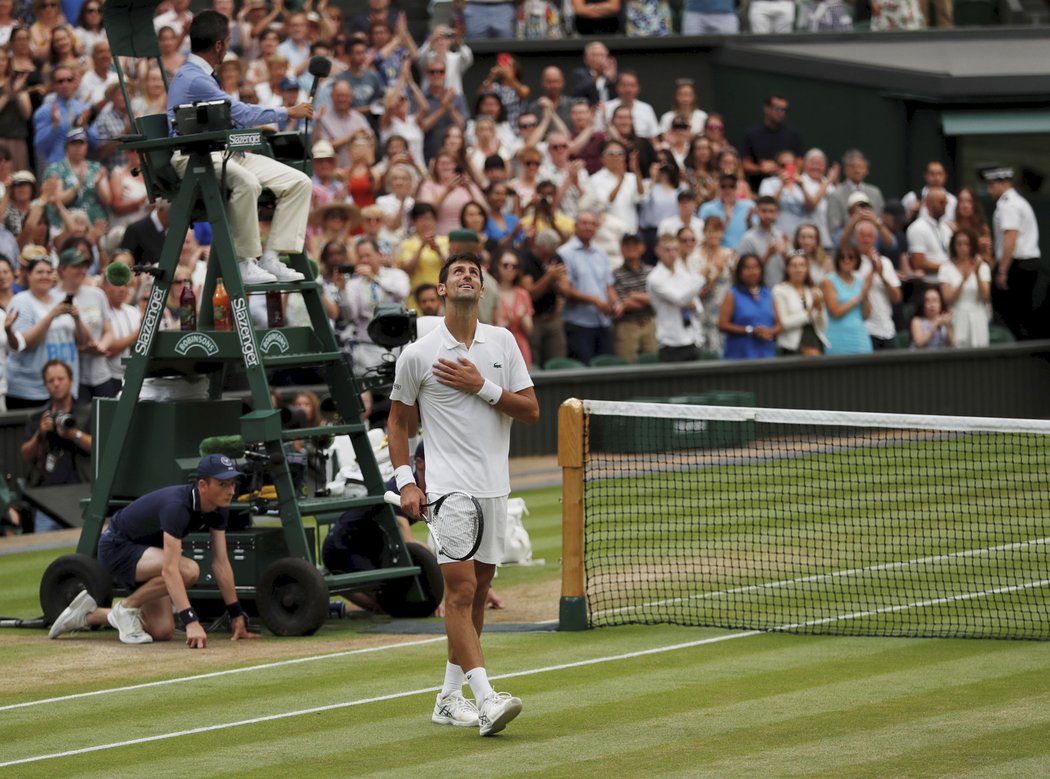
(995, 122)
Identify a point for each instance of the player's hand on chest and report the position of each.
(459, 372)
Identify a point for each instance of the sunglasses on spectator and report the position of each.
(532, 163)
(778, 109)
(615, 153)
(527, 125)
(557, 146)
(508, 265)
(715, 126)
(727, 186)
(435, 70)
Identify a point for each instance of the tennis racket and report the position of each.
(455, 520)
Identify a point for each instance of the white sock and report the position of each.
(478, 680)
(267, 255)
(453, 679)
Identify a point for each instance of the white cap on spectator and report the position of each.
(855, 198)
(323, 150)
(23, 177)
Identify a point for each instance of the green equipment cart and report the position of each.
(143, 445)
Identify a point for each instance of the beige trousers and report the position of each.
(246, 178)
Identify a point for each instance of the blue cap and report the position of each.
(217, 466)
(288, 83)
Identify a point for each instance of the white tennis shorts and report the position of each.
(494, 534)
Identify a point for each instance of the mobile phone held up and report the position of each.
(503, 60)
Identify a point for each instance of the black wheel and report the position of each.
(66, 577)
(397, 597)
(292, 597)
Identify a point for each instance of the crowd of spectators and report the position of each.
(608, 225)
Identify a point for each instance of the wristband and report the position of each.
(403, 476)
(187, 616)
(490, 392)
(234, 610)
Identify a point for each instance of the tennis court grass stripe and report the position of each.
(720, 705)
(218, 674)
(362, 701)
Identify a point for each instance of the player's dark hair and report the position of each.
(207, 28)
(471, 257)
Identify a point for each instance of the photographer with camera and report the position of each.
(58, 445)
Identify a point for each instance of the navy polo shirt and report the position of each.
(173, 510)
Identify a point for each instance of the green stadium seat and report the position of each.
(708, 355)
(903, 339)
(998, 334)
(607, 361)
(647, 358)
(562, 364)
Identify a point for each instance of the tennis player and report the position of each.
(467, 382)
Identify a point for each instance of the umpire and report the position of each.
(142, 549)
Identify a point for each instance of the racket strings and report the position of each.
(456, 521)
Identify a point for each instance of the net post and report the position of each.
(573, 607)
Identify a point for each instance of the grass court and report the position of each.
(637, 700)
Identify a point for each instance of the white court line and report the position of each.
(362, 701)
(822, 576)
(918, 604)
(515, 674)
(215, 674)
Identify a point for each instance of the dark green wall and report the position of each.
(831, 116)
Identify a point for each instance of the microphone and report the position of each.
(319, 68)
(118, 274)
(150, 270)
(269, 459)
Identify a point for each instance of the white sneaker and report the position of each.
(498, 709)
(454, 709)
(75, 616)
(251, 273)
(129, 624)
(279, 270)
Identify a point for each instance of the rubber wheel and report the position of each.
(292, 597)
(66, 577)
(396, 596)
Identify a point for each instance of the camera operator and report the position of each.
(58, 444)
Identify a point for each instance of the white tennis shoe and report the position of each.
(279, 270)
(496, 711)
(129, 624)
(454, 709)
(251, 273)
(75, 616)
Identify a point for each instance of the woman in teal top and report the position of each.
(749, 316)
(846, 299)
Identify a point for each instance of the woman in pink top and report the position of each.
(450, 190)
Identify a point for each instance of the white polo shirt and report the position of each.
(1013, 212)
(931, 238)
(468, 441)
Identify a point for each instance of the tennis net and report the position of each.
(817, 522)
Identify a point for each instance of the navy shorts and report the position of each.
(120, 556)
